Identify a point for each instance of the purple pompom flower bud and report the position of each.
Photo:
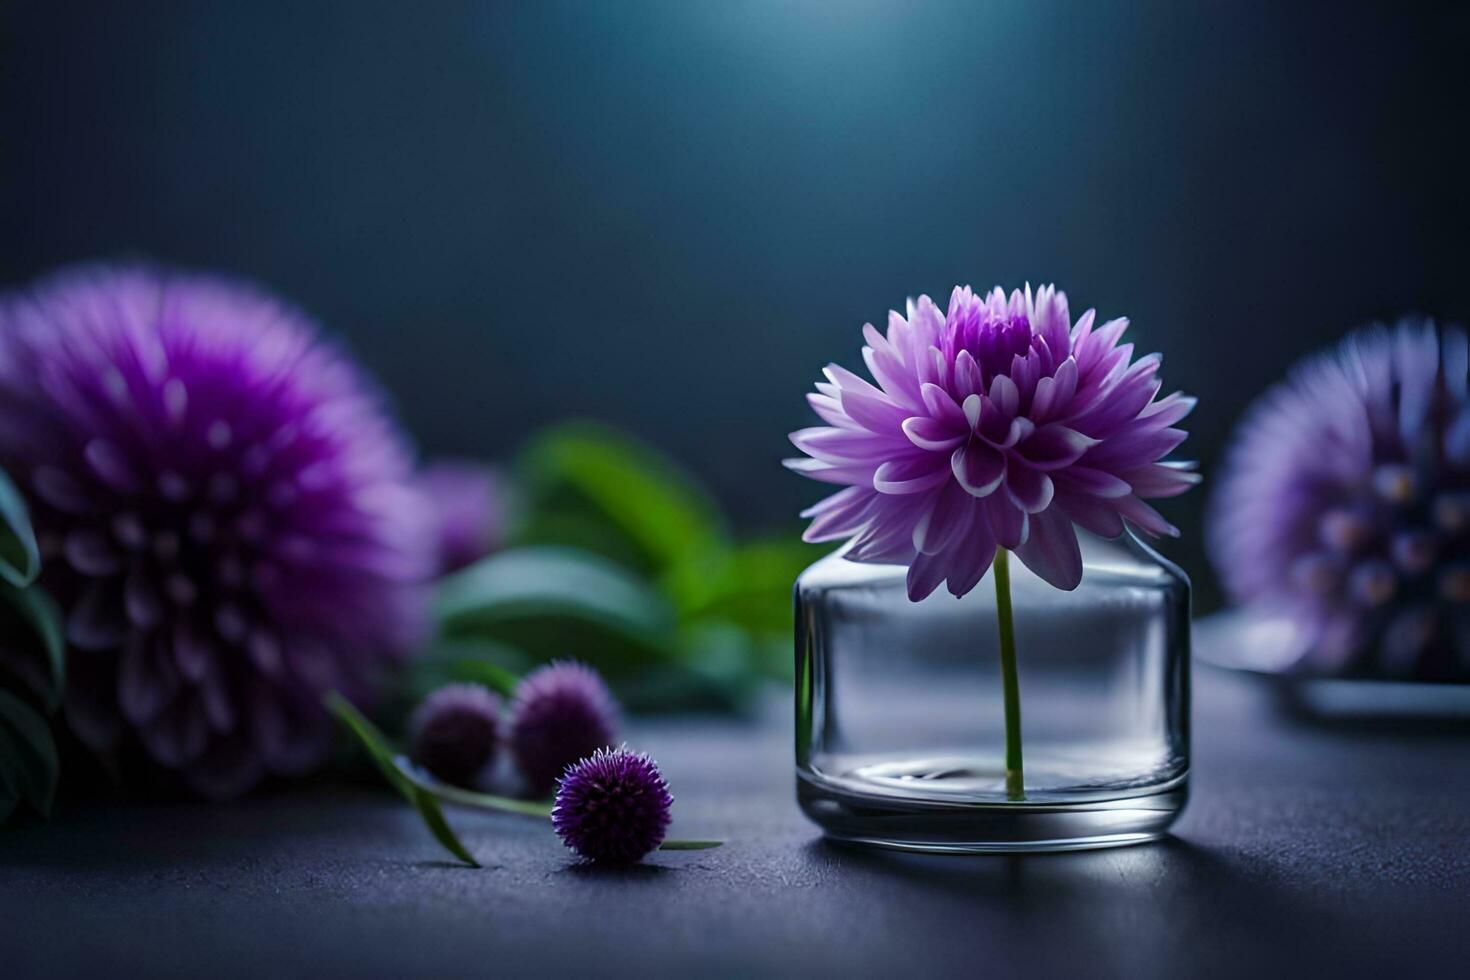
(455, 732)
(562, 712)
(612, 807)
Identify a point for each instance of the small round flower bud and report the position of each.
(562, 712)
(456, 732)
(612, 807)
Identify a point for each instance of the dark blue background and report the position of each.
(671, 215)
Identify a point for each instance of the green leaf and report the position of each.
(20, 559)
(372, 740)
(750, 587)
(466, 797)
(28, 753)
(557, 602)
(382, 755)
(690, 845)
(40, 654)
(590, 480)
(433, 816)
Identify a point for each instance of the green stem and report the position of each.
(1010, 682)
(470, 798)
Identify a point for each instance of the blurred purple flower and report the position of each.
(225, 510)
(612, 807)
(1344, 505)
(562, 712)
(455, 732)
(998, 424)
(471, 503)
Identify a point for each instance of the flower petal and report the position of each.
(1161, 479)
(1126, 399)
(1008, 523)
(930, 433)
(1005, 394)
(1030, 489)
(838, 516)
(925, 574)
(829, 410)
(146, 679)
(1082, 328)
(887, 367)
(1053, 394)
(978, 467)
(945, 521)
(1093, 513)
(970, 559)
(844, 381)
(1169, 409)
(1025, 372)
(1089, 480)
(888, 536)
(926, 322)
(942, 406)
(815, 469)
(1019, 429)
(973, 410)
(911, 474)
(876, 413)
(1054, 446)
(967, 379)
(1051, 549)
(1091, 349)
(1137, 512)
(835, 445)
(1136, 445)
(1051, 319)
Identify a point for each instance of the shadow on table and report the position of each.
(616, 872)
(1151, 905)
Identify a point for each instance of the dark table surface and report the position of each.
(1305, 850)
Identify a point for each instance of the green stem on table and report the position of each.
(1010, 682)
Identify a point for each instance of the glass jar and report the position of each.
(900, 732)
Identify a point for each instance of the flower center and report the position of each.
(992, 340)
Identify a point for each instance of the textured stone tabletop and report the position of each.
(1304, 851)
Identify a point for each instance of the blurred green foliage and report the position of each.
(622, 560)
(32, 667)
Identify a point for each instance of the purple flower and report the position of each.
(562, 712)
(1344, 508)
(471, 504)
(998, 424)
(225, 510)
(455, 732)
(613, 806)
